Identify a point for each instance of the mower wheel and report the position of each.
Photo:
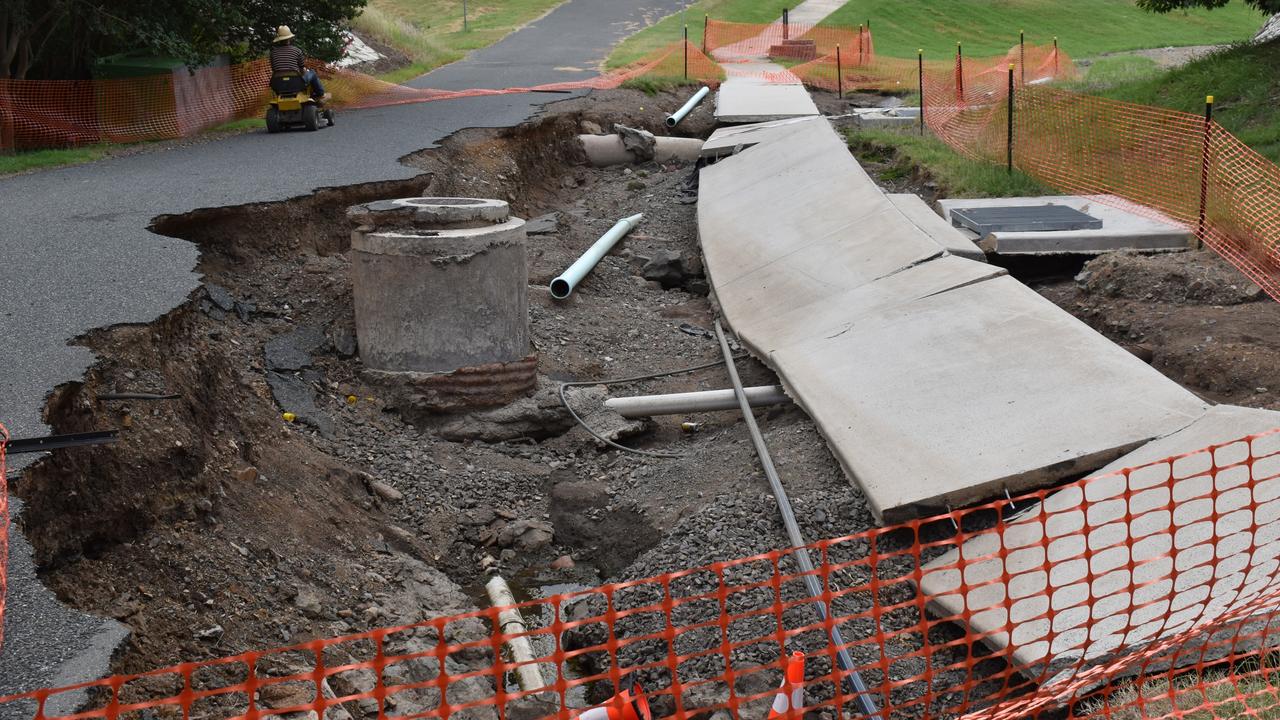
(311, 117)
(273, 120)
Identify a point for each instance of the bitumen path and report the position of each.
(75, 255)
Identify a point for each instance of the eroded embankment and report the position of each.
(214, 526)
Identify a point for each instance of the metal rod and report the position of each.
(860, 63)
(859, 688)
(959, 74)
(706, 22)
(1009, 141)
(691, 402)
(786, 23)
(1055, 57)
(839, 75)
(137, 396)
(674, 118)
(686, 51)
(920, 64)
(54, 442)
(464, 16)
(1022, 54)
(1204, 169)
(563, 286)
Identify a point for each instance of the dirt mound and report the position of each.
(1201, 278)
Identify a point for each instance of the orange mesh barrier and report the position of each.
(38, 114)
(1167, 574)
(4, 528)
(730, 41)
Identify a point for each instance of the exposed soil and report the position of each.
(1192, 315)
(215, 526)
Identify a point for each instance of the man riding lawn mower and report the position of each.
(297, 96)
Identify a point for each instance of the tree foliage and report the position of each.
(60, 38)
(1163, 6)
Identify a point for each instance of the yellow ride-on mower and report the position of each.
(292, 105)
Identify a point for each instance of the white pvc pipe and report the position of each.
(563, 286)
(674, 118)
(691, 402)
(528, 675)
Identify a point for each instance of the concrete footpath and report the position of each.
(937, 381)
(75, 253)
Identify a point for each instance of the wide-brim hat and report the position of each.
(283, 33)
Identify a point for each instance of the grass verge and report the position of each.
(907, 153)
(986, 27)
(1242, 80)
(431, 32)
(43, 159)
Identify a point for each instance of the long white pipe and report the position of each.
(563, 286)
(528, 675)
(674, 118)
(691, 402)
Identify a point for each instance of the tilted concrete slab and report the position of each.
(731, 137)
(931, 223)
(937, 380)
(759, 92)
(956, 397)
(1198, 566)
(836, 314)
(795, 220)
(1125, 226)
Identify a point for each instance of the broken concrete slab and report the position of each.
(1124, 226)
(879, 118)
(931, 223)
(725, 140)
(759, 92)
(956, 397)
(836, 314)
(796, 220)
(1183, 543)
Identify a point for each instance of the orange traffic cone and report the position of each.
(790, 697)
(630, 704)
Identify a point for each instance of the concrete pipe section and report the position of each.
(441, 288)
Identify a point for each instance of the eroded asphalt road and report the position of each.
(75, 254)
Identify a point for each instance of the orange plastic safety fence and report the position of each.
(730, 41)
(39, 114)
(1148, 592)
(1169, 165)
(4, 528)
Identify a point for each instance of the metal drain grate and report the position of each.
(1023, 218)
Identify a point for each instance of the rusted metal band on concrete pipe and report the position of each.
(563, 286)
(692, 402)
(674, 118)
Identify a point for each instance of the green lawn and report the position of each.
(41, 159)
(986, 27)
(430, 31)
(956, 175)
(1243, 81)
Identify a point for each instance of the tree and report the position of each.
(60, 38)
(1163, 6)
